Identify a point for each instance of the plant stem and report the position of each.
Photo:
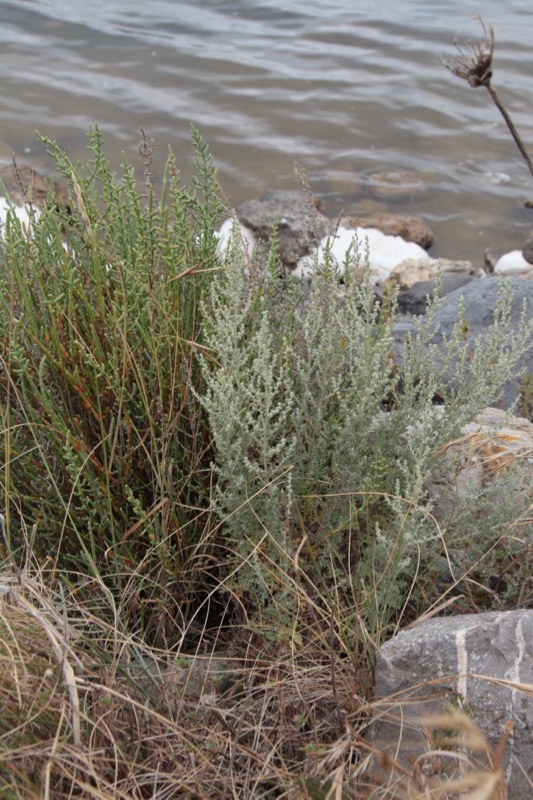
(510, 124)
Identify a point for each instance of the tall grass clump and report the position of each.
(105, 445)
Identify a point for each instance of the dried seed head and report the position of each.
(474, 61)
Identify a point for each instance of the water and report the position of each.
(348, 88)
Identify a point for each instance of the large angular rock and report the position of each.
(482, 663)
(300, 223)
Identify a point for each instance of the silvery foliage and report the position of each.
(320, 435)
(250, 402)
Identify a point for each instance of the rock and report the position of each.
(415, 299)
(486, 448)
(409, 228)
(482, 663)
(479, 306)
(300, 223)
(396, 184)
(232, 228)
(416, 281)
(527, 251)
(23, 188)
(384, 252)
(22, 213)
(35, 187)
(412, 270)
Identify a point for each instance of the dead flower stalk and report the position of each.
(473, 63)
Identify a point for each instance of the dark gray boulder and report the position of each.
(415, 299)
(480, 298)
(527, 251)
(479, 308)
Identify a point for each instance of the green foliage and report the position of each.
(324, 445)
(99, 319)
(175, 424)
(172, 418)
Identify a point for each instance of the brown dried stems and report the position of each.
(474, 65)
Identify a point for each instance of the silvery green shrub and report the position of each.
(323, 444)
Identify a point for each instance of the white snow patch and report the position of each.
(232, 228)
(510, 262)
(384, 252)
(21, 212)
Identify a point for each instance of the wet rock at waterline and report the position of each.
(476, 662)
(396, 185)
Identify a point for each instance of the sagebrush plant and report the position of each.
(324, 444)
(99, 318)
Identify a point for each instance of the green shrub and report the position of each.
(106, 446)
(324, 446)
(172, 419)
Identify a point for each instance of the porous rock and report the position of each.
(412, 229)
(25, 185)
(300, 222)
(477, 662)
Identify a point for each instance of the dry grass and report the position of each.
(89, 711)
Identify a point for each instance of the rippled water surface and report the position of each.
(348, 88)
